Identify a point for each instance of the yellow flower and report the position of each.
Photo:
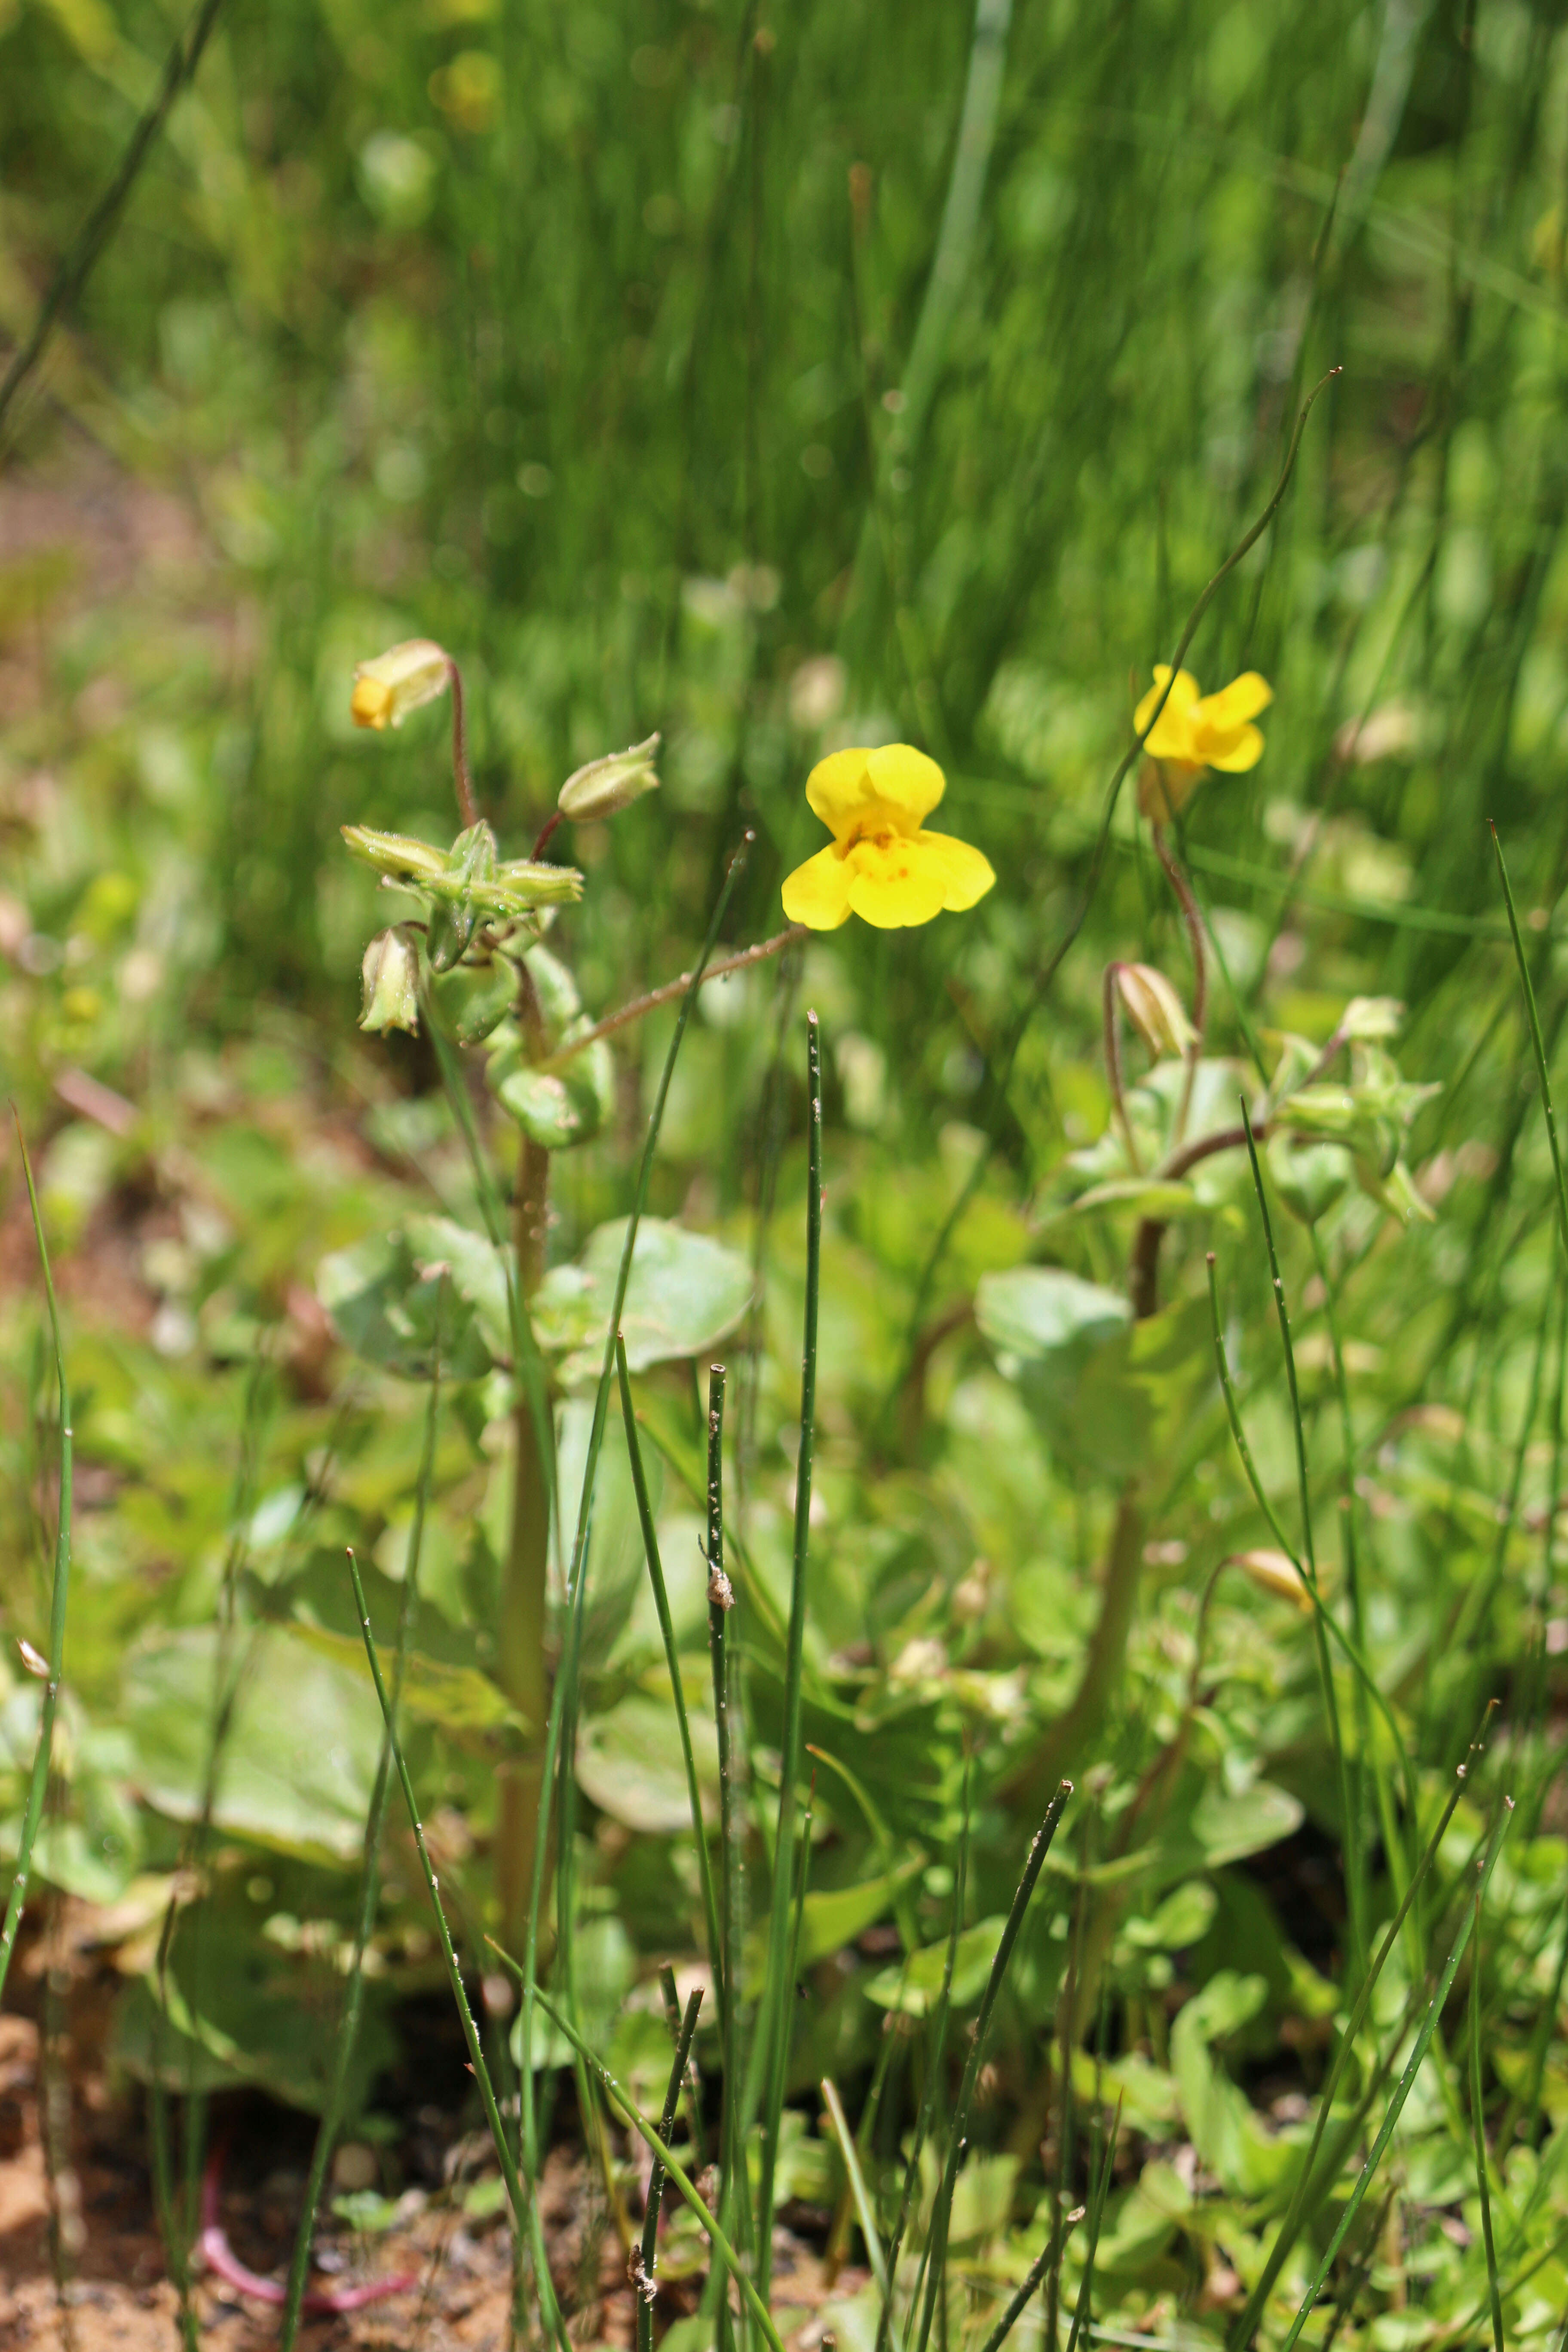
(1194, 732)
(398, 681)
(879, 864)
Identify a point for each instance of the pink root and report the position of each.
(219, 2256)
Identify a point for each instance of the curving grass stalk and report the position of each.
(39, 1781)
(1479, 2128)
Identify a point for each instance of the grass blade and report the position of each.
(943, 2209)
(776, 1998)
(39, 1781)
(1099, 2190)
(858, 2190)
(1479, 2126)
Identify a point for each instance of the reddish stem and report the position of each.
(460, 776)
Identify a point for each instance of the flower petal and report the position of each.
(1237, 751)
(817, 893)
(905, 780)
(1242, 699)
(840, 790)
(1182, 694)
(897, 886)
(966, 874)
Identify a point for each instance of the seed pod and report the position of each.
(390, 974)
(607, 786)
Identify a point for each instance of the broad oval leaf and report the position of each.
(1033, 1312)
(685, 1293)
(385, 1297)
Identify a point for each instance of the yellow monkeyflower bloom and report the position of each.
(879, 864)
(1195, 732)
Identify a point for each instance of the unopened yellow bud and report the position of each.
(1154, 1009)
(390, 975)
(607, 786)
(1275, 1572)
(397, 681)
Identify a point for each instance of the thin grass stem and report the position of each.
(645, 2261)
(1479, 2128)
(776, 1998)
(857, 2189)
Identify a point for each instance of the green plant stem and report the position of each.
(370, 1885)
(731, 1825)
(179, 70)
(39, 1779)
(1479, 2127)
(840, 2124)
(647, 2252)
(1098, 2189)
(522, 1655)
(1537, 1041)
(1396, 2104)
(778, 1996)
(941, 2212)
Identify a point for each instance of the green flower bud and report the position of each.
(390, 974)
(607, 786)
(1154, 1009)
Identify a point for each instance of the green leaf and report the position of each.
(234, 2009)
(1224, 2130)
(1036, 1314)
(913, 1987)
(1182, 1919)
(556, 1108)
(685, 1294)
(1142, 1194)
(384, 1295)
(298, 1757)
(833, 1918)
(629, 1762)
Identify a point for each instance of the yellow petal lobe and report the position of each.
(1237, 751)
(896, 885)
(905, 780)
(371, 703)
(817, 893)
(1242, 699)
(966, 874)
(1182, 694)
